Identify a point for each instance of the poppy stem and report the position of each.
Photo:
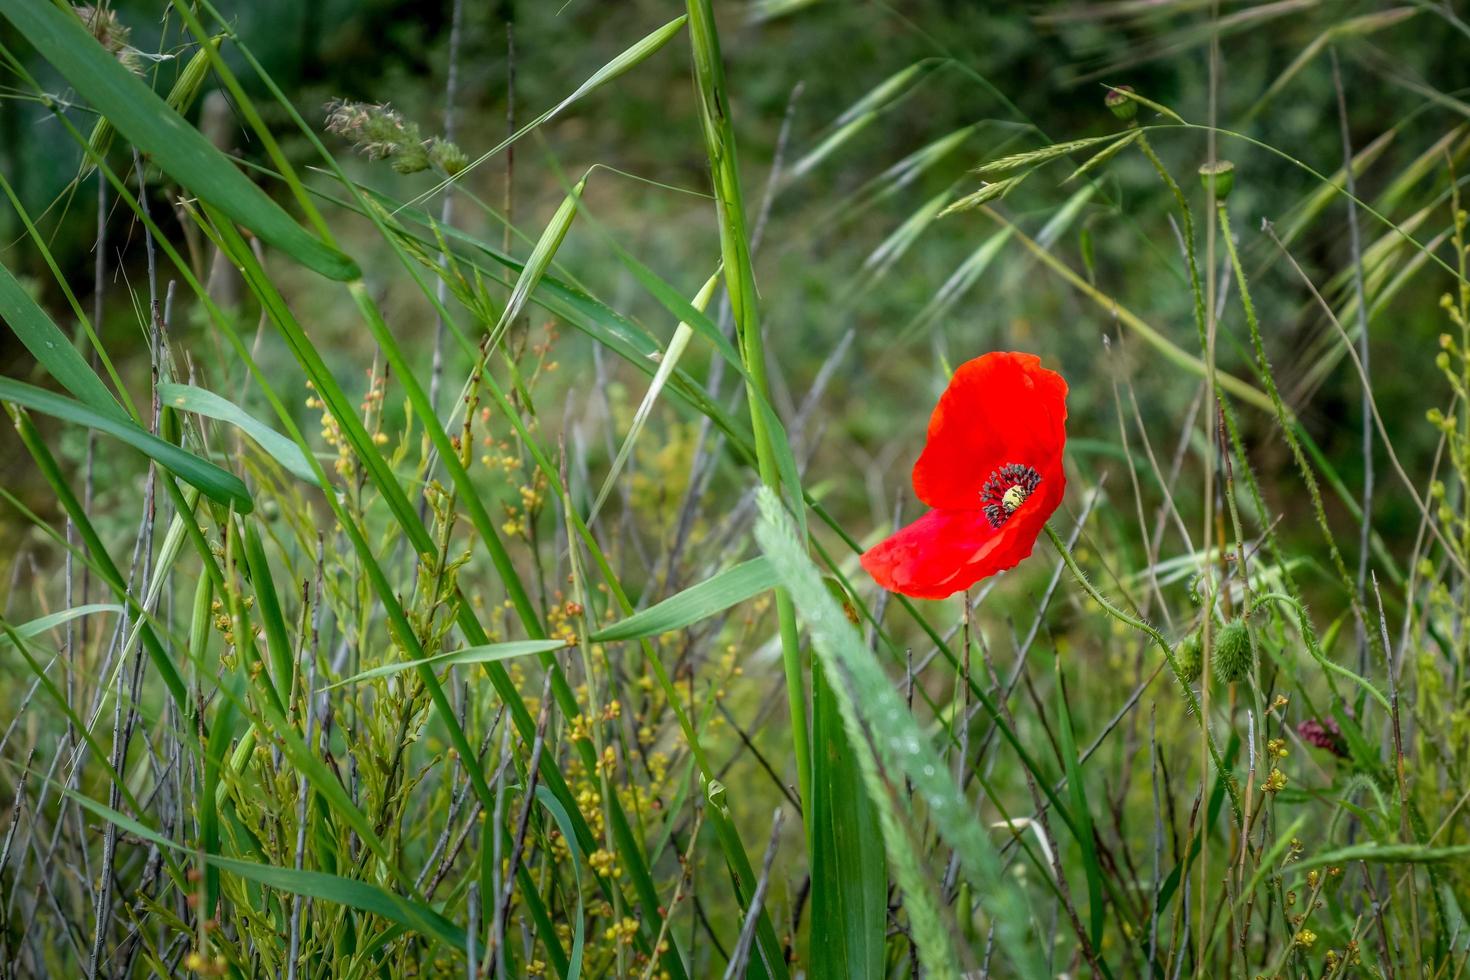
(1309, 635)
(1163, 645)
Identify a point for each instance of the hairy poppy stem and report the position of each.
(1309, 635)
(1163, 645)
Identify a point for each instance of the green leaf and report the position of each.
(869, 702)
(538, 262)
(177, 148)
(217, 484)
(313, 884)
(268, 609)
(52, 349)
(1383, 854)
(641, 50)
(1081, 815)
(694, 603)
(210, 405)
(469, 655)
(579, 925)
(849, 868)
(38, 626)
(666, 365)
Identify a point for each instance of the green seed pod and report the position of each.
(1187, 652)
(1232, 654)
(1218, 178)
(1119, 104)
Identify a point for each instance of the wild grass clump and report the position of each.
(443, 560)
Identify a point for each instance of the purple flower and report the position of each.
(1324, 734)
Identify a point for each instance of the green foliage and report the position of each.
(484, 576)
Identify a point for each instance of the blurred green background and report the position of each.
(983, 78)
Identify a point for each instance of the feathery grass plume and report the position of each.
(381, 133)
(103, 24)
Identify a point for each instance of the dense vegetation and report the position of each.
(444, 440)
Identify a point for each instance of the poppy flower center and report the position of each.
(1006, 490)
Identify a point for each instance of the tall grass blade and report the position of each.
(897, 737)
(695, 603)
(178, 149)
(200, 401)
(849, 869)
(490, 653)
(52, 349)
(219, 485)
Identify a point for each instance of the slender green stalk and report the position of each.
(1309, 635)
(1143, 627)
(1284, 418)
(719, 137)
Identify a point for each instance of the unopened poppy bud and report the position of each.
(1187, 652)
(1119, 104)
(1218, 178)
(1232, 652)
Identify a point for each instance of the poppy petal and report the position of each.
(999, 408)
(946, 551)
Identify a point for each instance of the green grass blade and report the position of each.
(849, 870)
(538, 262)
(1382, 854)
(697, 602)
(52, 349)
(36, 627)
(579, 927)
(217, 484)
(314, 884)
(268, 607)
(666, 365)
(1081, 816)
(189, 398)
(626, 61)
(900, 741)
(177, 148)
(769, 964)
(773, 454)
(489, 653)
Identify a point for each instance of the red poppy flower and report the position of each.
(992, 472)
